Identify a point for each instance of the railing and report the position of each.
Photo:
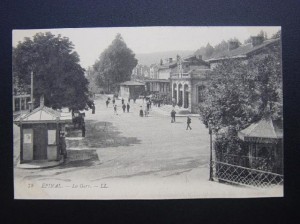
(245, 176)
(183, 75)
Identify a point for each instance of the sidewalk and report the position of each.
(39, 164)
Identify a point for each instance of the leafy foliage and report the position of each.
(56, 70)
(239, 92)
(115, 64)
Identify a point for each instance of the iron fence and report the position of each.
(245, 176)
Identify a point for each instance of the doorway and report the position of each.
(40, 142)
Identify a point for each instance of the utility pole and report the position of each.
(31, 91)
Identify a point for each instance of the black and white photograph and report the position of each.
(160, 112)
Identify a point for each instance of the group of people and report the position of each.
(145, 113)
(147, 109)
(124, 106)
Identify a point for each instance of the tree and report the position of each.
(115, 64)
(91, 76)
(238, 93)
(56, 71)
(221, 47)
(209, 50)
(276, 35)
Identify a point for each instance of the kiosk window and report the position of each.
(51, 137)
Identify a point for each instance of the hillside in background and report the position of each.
(154, 58)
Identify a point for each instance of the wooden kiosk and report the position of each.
(41, 132)
(265, 142)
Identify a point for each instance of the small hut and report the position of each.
(131, 89)
(265, 141)
(41, 134)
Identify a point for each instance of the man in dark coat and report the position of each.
(141, 112)
(83, 129)
(122, 101)
(173, 115)
(188, 122)
(124, 107)
(128, 107)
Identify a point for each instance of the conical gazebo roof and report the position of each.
(264, 131)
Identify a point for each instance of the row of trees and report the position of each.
(57, 72)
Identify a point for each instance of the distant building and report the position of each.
(153, 71)
(188, 80)
(140, 72)
(131, 89)
(257, 46)
(160, 76)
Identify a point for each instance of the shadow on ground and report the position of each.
(101, 135)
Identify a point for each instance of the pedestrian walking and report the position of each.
(113, 101)
(128, 107)
(107, 102)
(173, 115)
(115, 109)
(124, 107)
(93, 109)
(141, 112)
(122, 101)
(63, 146)
(128, 99)
(83, 129)
(188, 122)
(148, 106)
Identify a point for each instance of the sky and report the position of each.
(91, 42)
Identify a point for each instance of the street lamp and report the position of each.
(210, 159)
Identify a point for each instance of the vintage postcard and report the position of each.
(148, 113)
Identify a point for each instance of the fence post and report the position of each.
(210, 160)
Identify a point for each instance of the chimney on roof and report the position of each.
(257, 40)
(42, 101)
(233, 44)
(170, 60)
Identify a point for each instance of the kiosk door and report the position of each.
(40, 142)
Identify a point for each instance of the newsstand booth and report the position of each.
(40, 133)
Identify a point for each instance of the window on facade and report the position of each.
(201, 93)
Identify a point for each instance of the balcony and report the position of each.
(181, 76)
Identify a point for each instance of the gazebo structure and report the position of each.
(265, 141)
(41, 136)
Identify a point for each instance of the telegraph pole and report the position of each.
(31, 90)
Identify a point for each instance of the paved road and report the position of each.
(134, 157)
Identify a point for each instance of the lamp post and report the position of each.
(210, 159)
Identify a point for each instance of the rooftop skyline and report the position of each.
(89, 43)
